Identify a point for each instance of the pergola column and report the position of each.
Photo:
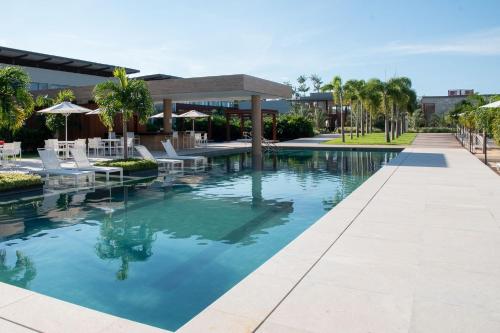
(275, 136)
(167, 116)
(228, 127)
(242, 125)
(256, 133)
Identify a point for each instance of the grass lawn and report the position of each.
(373, 139)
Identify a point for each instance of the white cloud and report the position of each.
(482, 43)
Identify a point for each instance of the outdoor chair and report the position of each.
(83, 163)
(54, 145)
(130, 145)
(81, 144)
(52, 166)
(10, 150)
(96, 145)
(171, 153)
(165, 163)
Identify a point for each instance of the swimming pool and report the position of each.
(160, 251)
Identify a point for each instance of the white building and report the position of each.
(52, 72)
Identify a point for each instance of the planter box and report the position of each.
(141, 173)
(19, 192)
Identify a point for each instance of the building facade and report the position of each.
(54, 72)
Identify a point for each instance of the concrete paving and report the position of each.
(416, 248)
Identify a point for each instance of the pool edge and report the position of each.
(248, 304)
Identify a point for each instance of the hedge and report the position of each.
(13, 180)
(131, 164)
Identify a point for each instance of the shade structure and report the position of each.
(493, 105)
(193, 114)
(65, 108)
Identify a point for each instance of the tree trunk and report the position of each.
(386, 126)
(357, 124)
(392, 121)
(125, 146)
(350, 127)
(362, 122)
(342, 121)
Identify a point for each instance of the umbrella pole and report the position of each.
(193, 124)
(66, 138)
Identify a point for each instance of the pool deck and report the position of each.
(416, 248)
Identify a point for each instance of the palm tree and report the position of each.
(126, 97)
(317, 82)
(302, 88)
(16, 102)
(350, 89)
(382, 89)
(337, 89)
(372, 103)
(400, 96)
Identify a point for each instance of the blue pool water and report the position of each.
(159, 252)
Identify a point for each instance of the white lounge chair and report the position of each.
(171, 153)
(498, 166)
(83, 163)
(52, 166)
(166, 163)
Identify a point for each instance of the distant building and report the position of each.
(54, 72)
(440, 105)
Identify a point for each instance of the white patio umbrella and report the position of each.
(96, 111)
(193, 114)
(160, 115)
(493, 105)
(65, 108)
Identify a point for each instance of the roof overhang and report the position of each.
(10, 56)
(209, 88)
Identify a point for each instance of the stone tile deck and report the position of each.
(416, 248)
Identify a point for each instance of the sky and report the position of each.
(438, 44)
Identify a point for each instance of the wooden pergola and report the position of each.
(247, 114)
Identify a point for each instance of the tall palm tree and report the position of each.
(382, 90)
(350, 93)
(126, 97)
(302, 88)
(16, 102)
(317, 82)
(399, 92)
(337, 89)
(372, 103)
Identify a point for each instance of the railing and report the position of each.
(267, 145)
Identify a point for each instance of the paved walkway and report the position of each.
(436, 140)
(416, 248)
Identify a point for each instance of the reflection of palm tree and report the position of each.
(124, 240)
(21, 273)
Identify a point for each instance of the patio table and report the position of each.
(110, 144)
(65, 146)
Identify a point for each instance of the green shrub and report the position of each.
(290, 127)
(495, 128)
(131, 164)
(13, 180)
